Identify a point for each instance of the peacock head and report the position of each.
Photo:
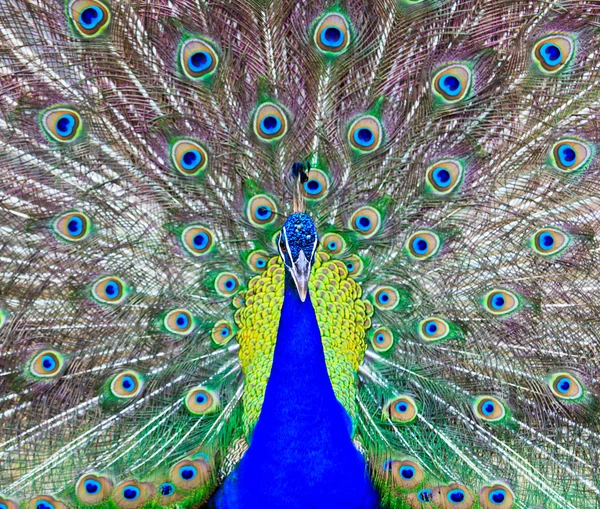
(297, 246)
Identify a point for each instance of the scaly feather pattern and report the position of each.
(448, 161)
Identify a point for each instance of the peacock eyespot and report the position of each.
(453, 82)
(92, 489)
(72, 226)
(444, 176)
(333, 243)
(489, 409)
(270, 122)
(385, 298)
(131, 492)
(197, 240)
(227, 284)
(566, 387)
(189, 157)
(261, 210)
(456, 496)
(317, 185)
(166, 489)
(405, 474)
(501, 302)
(189, 474)
(46, 364)
(365, 134)
(222, 332)
(553, 53)
(61, 124)
(425, 496)
(496, 496)
(402, 409)
(126, 385)
(423, 245)
(366, 222)
(109, 290)
(332, 34)
(44, 502)
(200, 401)
(198, 59)
(433, 329)
(257, 261)
(179, 322)
(354, 265)
(89, 17)
(570, 155)
(382, 339)
(548, 242)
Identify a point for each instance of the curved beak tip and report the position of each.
(300, 273)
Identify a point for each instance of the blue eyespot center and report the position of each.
(350, 267)
(450, 84)
(75, 226)
(131, 492)
(420, 245)
(90, 17)
(166, 489)
(551, 53)
(564, 384)
(127, 383)
(488, 407)
(497, 496)
(383, 297)
(407, 472)
(111, 289)
(200, 240)
(230, 284)
(190, 159)
(182, 320)
(456, 496)
(200, 61)
(313, 186)
(567, 155)
(270, 124)
(224, 332)
(363, 223)
(498, 301)
(65, 124)
(201, 398)
(401, 407)
(264, 212)
(431, 327)
(425, 495)
(442, 177)
(364, 136)
(187, 472)
(92, 486)
(332, 245)
(546, 241)
(48, 363)
(43, 504)
(332, 36)
(261, 262)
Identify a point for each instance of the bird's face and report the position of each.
(297, 246)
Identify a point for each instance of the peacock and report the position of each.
(282, 254)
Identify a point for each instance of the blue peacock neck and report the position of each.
(301, 453)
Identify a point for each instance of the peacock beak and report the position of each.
(301, 272)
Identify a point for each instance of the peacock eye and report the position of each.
(89, 17)
(198, 59)
(282, 246)
(61, 124)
